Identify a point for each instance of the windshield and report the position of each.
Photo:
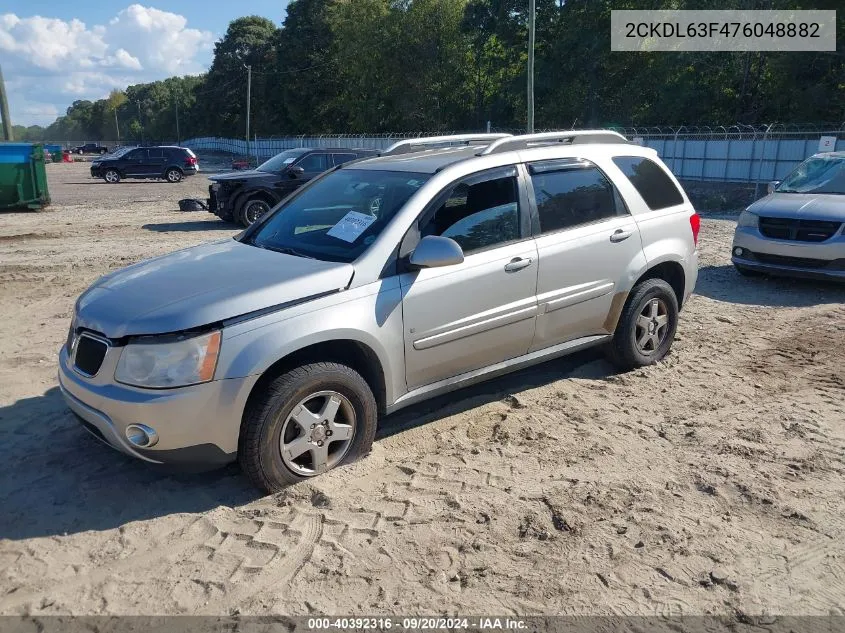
(340, 215)
(280, 161)
(820, 174)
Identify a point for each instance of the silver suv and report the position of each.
(798, 230)
(383, 282)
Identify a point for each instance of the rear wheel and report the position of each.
(306, 422)
(112, 176)
(173, 175)
(646, 327)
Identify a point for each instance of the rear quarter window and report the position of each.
(650, 181)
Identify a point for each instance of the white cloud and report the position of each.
(48, 59)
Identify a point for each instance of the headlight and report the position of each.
(746, 218)
(166, 364)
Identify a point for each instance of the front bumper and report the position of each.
(809, 260)
(197, 426)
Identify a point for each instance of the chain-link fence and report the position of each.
(734, 153)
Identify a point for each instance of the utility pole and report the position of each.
(248, 92)
(140, 121)
(116, 126)
(4, 111)
(532, 17)
(178, 135)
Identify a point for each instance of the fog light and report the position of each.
(738, 252)
(141, 435)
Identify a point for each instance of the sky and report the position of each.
(53, 52)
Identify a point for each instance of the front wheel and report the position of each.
(646, 327)
(112, 176)
(252, 211)
(173, 175)
(80, 152)
(102, 151)
(306, 422)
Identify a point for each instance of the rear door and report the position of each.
(156, 162)
(588, 246)
(482, 311)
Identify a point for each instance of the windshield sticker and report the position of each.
(288, 161)
(351, 226)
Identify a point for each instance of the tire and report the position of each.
(80, 152)
(252, 210)
(747, 272)
(173, 175)
(638, 318)
(103, 151)
(112, 176)
(306, 389)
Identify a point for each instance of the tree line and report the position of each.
(373, 66)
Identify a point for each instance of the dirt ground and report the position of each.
(709, 484)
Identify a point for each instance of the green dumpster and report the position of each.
(23, 178)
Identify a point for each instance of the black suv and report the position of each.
(90, 148)
(168, 162)
(245, 196)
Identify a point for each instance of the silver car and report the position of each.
(389, 280)
(798, 229)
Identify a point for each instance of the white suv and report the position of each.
(383, 282)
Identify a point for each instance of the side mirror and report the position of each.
(773, 185)
(294, 171)
(434, 251)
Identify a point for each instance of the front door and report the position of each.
(588, 245)
(482, 311)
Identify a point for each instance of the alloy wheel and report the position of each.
(317, 433)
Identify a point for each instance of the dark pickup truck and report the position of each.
(245, 196)
(90, 148)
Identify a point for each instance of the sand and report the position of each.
(710, 483)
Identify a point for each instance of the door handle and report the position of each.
(517, 263)
(620, 235)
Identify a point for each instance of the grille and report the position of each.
(798, 230)
(798, 262)
(90, 353)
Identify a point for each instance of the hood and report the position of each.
(808, 206)
(202, 285)
(252, 174)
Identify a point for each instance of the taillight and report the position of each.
(695, 225)
(190, 161)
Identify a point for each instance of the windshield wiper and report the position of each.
(284, 250)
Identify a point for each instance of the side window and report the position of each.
(573, 196)
(649, 179)
(314, 163)
(479, 215)
(156, 153)
(136, 154)
(339, 159)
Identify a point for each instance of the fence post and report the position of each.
(760, 164)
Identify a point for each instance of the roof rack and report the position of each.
(527, 141)
(407, 145)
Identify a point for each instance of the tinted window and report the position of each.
(314, 162)
(339, 159)
(136, 154)
(569, 197)
(650, 181)
(155, 152)
(281, 161)
(479, 215)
